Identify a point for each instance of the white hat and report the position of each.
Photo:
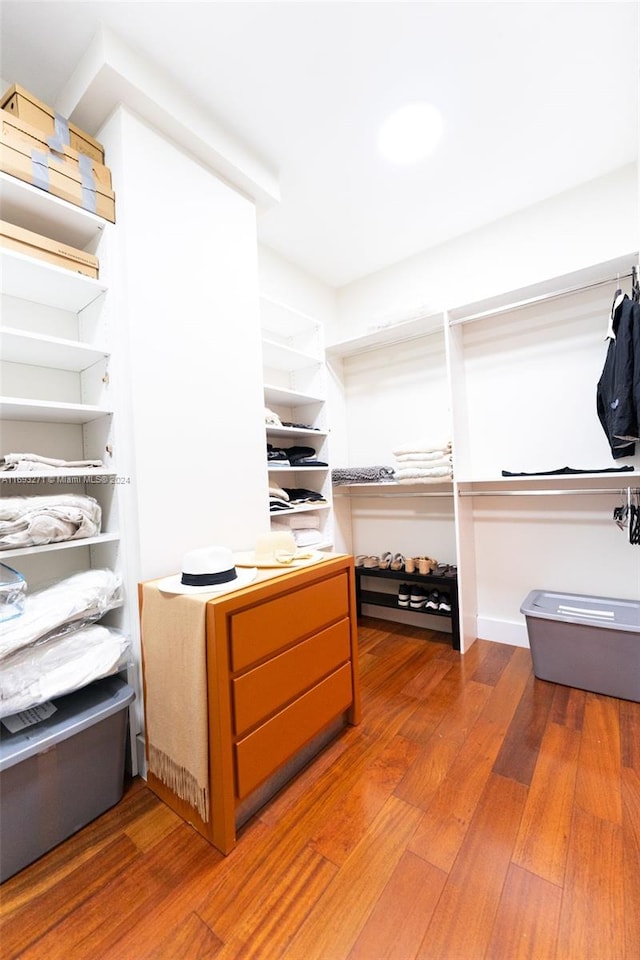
(208, 570)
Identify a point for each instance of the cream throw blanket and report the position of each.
(175, 672)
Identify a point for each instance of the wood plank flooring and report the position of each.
(475, 814)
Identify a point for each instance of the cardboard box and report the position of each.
(66, 173)
(32, 244)
(23, 105)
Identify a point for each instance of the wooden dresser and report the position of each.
(281, 682)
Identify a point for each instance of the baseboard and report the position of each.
(502, 631)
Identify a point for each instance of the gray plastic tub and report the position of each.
(57, 775)
(588, 642)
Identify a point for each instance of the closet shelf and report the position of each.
(302, 508)
(41, 212)
(281, 357)
(285, 321)
(74, 473)
(19, 346)
(578, 280)
(564, 480)
(276, 469)
(37, 281)
(16, 408)
(274, 396)
(273, 431)
(64, 545)
(393, 332)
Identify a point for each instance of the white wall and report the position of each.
(187, 290)
(592, 223)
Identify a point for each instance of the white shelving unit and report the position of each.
(294, 389)
(522, 370)
(58, 395)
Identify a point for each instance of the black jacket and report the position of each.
(618, 391)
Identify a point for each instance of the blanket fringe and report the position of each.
(183, 783)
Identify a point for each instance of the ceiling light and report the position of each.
(410, 133)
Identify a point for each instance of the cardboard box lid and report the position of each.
(35, 137)
(31, 239)
(20, 91)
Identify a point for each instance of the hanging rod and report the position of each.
(547, 493)
(387, 496)
(541, 298)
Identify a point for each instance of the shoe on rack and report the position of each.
(404, 593)
(444, 603)
(371, 563)
(385, 560)
(418, 597)
(397, 562)
(433, 600)
(410, 564)
(360, 559)
(426, 565)
(451, 571)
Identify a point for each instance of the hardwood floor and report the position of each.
(475, 813)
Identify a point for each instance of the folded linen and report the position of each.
(34, 463)
(421, 463)
(422, 446)
(432, 455)
(414, 473)
(306, 538)
(374, 474)
(301, 521)
(62, 607)
(425, 479)
(34, 521)
(59, 666)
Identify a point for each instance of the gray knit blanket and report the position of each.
(377, 474)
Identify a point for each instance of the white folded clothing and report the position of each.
(56, 667)
(423, 464)
(433, 455)
(34, 521)
(411, 473)
(36, 464)
(422, 446)
(61, 607)
(301, 521)
(277, 491)
(306, 538)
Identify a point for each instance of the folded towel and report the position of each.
(299, 521)
(417, 474)
(424, 446)
(434, 455)
(421, 463)
(306, 538)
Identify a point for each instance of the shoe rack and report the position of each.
(429, 582)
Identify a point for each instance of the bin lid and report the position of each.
(75, 712)
(607, 612)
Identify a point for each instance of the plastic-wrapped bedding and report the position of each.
(63, 606)
(43, 671)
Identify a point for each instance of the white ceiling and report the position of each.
(536, 98)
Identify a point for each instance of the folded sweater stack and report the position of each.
(422, 462)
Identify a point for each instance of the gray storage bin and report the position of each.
(588, 642)
(57, 775)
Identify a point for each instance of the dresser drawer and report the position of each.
(267, 688)
(262, 630)
(265, 750)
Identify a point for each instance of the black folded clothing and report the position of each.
(300, 495)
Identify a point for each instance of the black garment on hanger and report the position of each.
(618, 390)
